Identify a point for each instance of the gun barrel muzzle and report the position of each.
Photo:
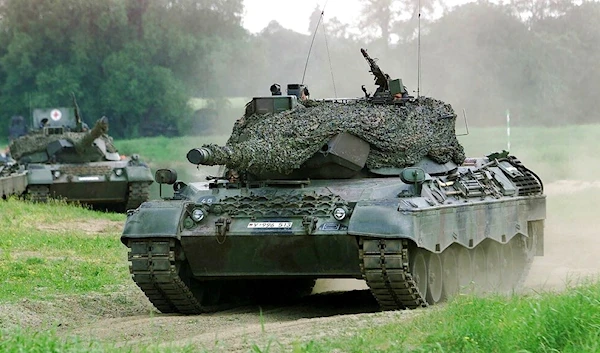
(199, 156)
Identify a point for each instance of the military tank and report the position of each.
(13, 177)
(375, 188)
(66, 159)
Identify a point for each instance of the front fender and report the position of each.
(380, 219)
(154, 219)
(39, 176)
(138, 173)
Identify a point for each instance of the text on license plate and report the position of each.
(89, 178)
(270, 225)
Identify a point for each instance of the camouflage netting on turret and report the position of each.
(38, 142)
(399, 135)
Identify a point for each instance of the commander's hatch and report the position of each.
(271, 104)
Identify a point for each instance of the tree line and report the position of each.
(139, 62)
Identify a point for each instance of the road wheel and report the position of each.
(493, 256)
(435, 278)
(450, 273)
(418, 266)
(465, 268)
(479, 264)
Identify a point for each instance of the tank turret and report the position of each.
(64, 158)
(56, 144)
(337, 138)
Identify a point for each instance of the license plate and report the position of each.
(89, 178)
(270, 225)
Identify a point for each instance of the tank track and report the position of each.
(155, 270)
(137, 193)
(385, 268)
(38, 193)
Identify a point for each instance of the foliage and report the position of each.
(135, 61)
(140, 61)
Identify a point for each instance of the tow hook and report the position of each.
(310, 224)
(222, 226)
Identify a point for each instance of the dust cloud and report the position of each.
(571, 241)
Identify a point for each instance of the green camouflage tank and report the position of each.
(375, 188)
(66, 159)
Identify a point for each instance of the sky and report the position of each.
(295, 14)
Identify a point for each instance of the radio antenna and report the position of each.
(313, 40)
(419, 53)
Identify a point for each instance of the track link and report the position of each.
(137, 193)
(155, 270)
(385, 268)
(38, 193)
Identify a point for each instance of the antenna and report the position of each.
(419, 53)
(313, 41)
(466, 124)
(329, 57)
(30, 107)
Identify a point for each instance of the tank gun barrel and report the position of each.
(99, 129)
(381, 78)
(200, 155)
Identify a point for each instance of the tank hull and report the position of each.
(13, 184)
(95, 183)
(411, 249)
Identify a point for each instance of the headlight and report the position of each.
(339, 213)
(118, 172)
(56, 174)
(197, 214)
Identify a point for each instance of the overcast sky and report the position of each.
(294, 14)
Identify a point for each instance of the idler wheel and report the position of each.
(479, 264)
(418, 267)
(435, 275)
(450, 270)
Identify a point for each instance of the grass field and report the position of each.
(53, 253)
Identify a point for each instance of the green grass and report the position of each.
(40, 258)
(554, 153)
(20, 341)
(159, 150)
(567, 322)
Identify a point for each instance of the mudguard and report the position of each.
(154, 219)
(39, 176)
(138, 173)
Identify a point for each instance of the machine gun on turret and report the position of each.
(381, 78)
(390, 91)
